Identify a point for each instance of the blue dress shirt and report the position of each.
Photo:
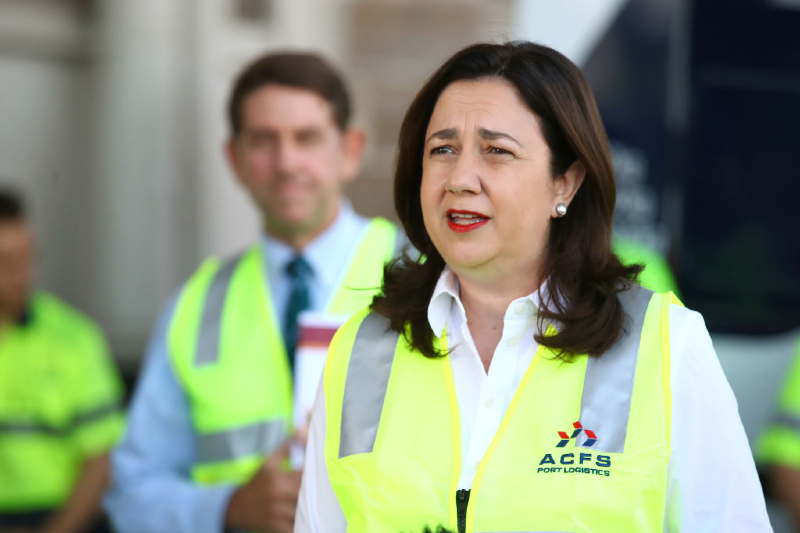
(152, 490)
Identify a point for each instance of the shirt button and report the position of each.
(512, 341)
(520, 309)
(489, 403)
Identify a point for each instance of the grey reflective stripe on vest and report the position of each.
(259, 438)
(365, 384)
(32, 427)
(87, 417)
(608, 385)
(207, 349)
(788, 420)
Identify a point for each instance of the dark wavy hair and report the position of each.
(301, 70)
(584, 276)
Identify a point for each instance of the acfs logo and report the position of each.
(591, 438)
(572, 463)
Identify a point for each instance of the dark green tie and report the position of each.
(299, 271)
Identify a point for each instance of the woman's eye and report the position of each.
(440, 150)
(494, 150)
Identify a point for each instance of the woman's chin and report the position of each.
(466, 261)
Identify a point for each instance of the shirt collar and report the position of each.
(278, 254)
(447, 293)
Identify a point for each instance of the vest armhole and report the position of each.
(673, 298)
(668, 299)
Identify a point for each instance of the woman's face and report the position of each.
(487, 194)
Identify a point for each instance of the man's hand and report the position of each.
(268, 501)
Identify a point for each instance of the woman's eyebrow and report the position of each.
(492, 135)
(452, 133)
(445, 134)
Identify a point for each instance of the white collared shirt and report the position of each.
(482, 397)
(712, 485)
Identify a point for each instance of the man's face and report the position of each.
(16, 266)
(293, 159)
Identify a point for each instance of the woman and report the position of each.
(517, 379)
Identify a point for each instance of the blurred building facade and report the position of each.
(113, 120)
(113, 126)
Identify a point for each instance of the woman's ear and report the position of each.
(567, 185)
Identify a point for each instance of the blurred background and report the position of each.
(112, 125)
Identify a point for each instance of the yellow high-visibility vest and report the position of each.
(227, 351)
(583, 446)
(780, 443)
(60, 403)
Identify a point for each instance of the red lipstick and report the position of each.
(463, 221)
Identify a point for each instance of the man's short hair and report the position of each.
(293, 69)
(12, 207)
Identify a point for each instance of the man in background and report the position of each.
(60, 397)
(779, 447)
(206, 446)
(657, 274)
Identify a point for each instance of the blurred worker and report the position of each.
(60, 397)
(206, 445)
(780, 444)
(657, 274)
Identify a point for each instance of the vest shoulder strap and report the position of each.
(370, 364)
(608, 385)
(194, 330)
(364, 274)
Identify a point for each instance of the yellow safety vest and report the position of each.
(227, 351)
(583, 446)
(780, 443)
(60, 403)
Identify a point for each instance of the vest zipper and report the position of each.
(462, 500)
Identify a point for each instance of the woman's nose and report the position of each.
(464, 176)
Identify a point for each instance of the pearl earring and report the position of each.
(561, 209)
